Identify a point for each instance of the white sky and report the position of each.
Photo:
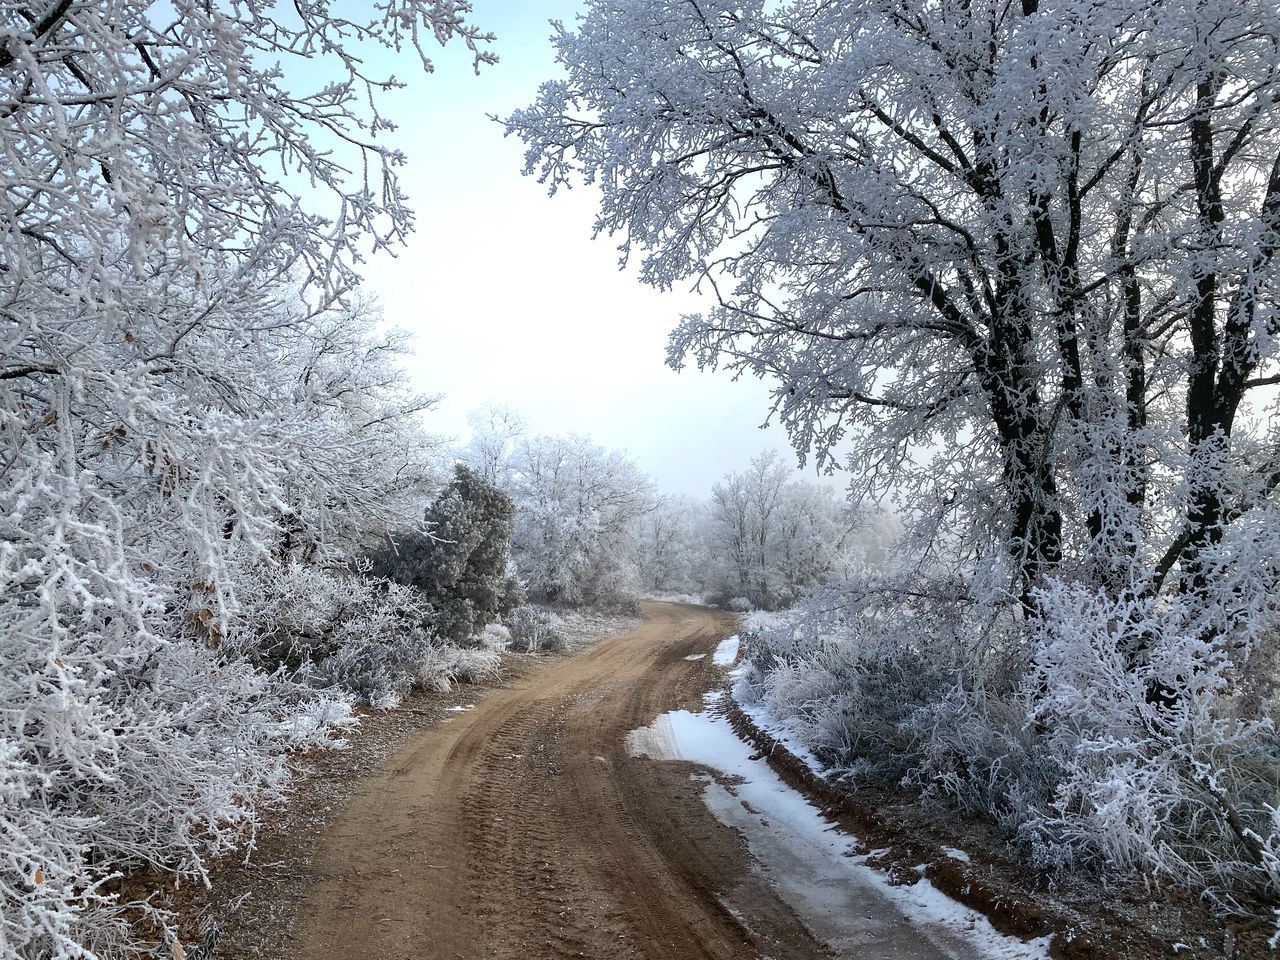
(510, 300)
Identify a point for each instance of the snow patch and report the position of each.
(696, 656)
(815, 868)
(765, 721)
(956, 854)
(727, 652)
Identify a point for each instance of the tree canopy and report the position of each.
(1015, 254)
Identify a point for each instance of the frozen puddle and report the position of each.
(811, 866)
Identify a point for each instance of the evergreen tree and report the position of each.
(459, 563)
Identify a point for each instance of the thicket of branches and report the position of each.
(198, 422)
(773, 537)
(761, 540)
(1016, 264)
(578, 508)
(591, 530)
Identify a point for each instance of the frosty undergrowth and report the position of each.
(1108, 736)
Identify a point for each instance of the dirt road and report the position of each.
(522, 829)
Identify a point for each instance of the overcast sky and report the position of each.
(510, 300)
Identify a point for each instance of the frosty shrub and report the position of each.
(1057, 730)
(440, 666)
(1159, 767)
(496, 637)
(473, 665)
(130, 751)
(846, 673)
(458, 560)
(295, 615)
(348, 632)
(534, 630)
(614, 587)
(739, 604)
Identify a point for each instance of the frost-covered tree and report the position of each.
(672, 546)
(186, 390)
(1019, 253)
(1019, 260)
(743, 506)
(577, 507)
(495, 431)
(770, 536)
(459, 559)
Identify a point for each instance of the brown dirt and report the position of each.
(522, 829)
(254, 896)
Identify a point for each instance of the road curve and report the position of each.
(522, 829)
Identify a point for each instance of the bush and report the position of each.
(1157, 768)
(347, 632)
(1083, 733)
(534, 630)
(846, 679)
(443, 666)
(132, 751)
(495, 637)
(471, 665)
(458, 562)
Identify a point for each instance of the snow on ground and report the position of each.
(765, 721)
(727, 653)
(812, 866)
(696, 656)
(665, 597)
